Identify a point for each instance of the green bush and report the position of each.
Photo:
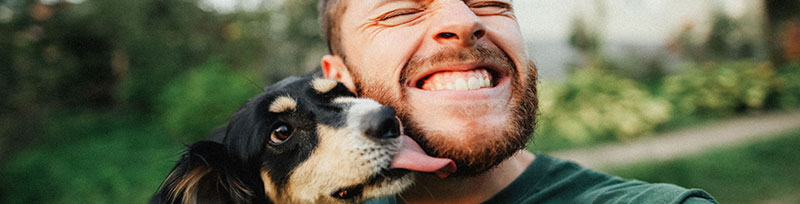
(203, 99)
(788, 91)
(720, 88)
(594, 105)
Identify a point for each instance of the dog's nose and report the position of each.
(382, 124)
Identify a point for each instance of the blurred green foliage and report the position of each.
(120, 56)
(788, 90)
(721, 88)
(595, 105)
(98, 97)
(202, 99)
(603, 100)
(90, 158)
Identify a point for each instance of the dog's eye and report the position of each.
(280, 134)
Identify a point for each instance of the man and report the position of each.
(458, 74)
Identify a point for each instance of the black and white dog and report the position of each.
(304, 140)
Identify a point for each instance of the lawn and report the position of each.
(754, 173)
(90, 158)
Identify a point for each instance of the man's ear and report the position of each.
(333, 67)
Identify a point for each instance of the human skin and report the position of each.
(389, 49)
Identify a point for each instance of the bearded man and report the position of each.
(459, 76)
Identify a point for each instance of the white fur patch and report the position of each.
(282, 104)
(323, 85)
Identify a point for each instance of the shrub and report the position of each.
(596, 105)
(788, 91)
(720, 88)
(203, 99)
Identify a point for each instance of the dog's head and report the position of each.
(314, 141)
(304, 140)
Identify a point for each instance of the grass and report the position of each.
(751, 173)
(90, 158)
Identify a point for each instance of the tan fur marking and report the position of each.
(323, 85)
(282, 104)
(188, 185)
(313, 176)
(241, 188)
(269, 186)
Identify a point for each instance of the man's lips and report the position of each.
(457, 80)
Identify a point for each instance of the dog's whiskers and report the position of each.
(429, 192)
(402, 198)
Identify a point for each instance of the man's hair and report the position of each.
(330, 13)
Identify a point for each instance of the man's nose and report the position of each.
(457, 25)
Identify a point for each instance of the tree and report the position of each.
(780, 14)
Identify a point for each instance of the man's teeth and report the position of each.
(459, 81)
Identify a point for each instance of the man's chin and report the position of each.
(475, 145)
(476, 134)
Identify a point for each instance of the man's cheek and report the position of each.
(394, 52)
(508, 37)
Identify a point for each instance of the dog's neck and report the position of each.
(432, 189)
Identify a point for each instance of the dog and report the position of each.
(303, 140)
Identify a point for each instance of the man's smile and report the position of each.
(472, 74)
(456, 80)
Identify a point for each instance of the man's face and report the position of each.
(455, 70)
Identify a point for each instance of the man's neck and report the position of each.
(432, 189)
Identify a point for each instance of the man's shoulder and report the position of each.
(551, 180)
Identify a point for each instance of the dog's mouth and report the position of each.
(348, 193)
(409, 157)
(385, 176)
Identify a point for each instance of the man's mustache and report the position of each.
(477, 54)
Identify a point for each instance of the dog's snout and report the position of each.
(382, 124)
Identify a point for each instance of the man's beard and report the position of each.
(494, 149)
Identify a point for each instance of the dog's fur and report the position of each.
(339, 150)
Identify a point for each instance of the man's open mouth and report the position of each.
(459, 80)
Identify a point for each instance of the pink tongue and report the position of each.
(412, 157)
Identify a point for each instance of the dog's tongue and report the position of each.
(412, 157)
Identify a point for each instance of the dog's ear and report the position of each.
(218, 135)
(205, 175)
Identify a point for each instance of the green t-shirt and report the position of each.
(550, 180)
